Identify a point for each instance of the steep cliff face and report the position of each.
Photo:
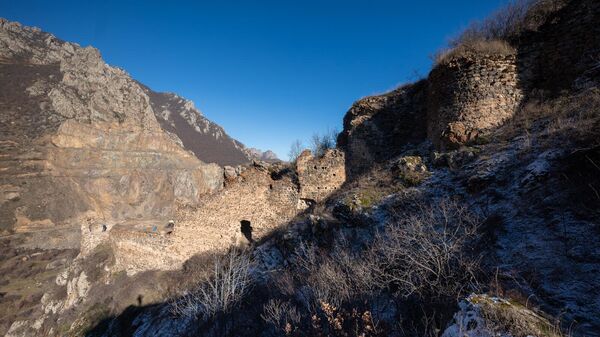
(207, 140)
(80, 140)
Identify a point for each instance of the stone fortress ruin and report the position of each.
(255, 200)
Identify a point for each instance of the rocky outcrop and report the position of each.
(80, 140)
(486, 316)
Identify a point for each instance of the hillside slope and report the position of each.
(465, 204)
(470, 209)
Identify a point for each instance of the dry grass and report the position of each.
(474, 47)
(544, 123)
(510, 21)
(493, 35)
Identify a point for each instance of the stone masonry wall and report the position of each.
(256, 196)
(564, 53)
(376, 128)
(470, 94)
(319, 177)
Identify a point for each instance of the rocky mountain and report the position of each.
(207, 140)
(256, 154)
(88, 135)
(84, 148)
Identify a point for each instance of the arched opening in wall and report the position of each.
(246, 229)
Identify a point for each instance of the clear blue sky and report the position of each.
(269, 72)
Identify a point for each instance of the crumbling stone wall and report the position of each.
(256, 195)
(319, 177)
(564, 52)
(376, 128)
(470, 94)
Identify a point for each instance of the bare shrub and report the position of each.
(426, 253)
(283, 316)
(335, 278)
(321, 143)
(295, 150)
(219, 289)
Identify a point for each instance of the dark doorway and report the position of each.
(246, 229)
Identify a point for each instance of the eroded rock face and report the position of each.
(79, 140)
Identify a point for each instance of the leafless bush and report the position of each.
(283, 316)
(321, 143)
(337, 277)
(219, 289)
(425, 253)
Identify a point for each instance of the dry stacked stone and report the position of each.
(470, 94)
(564, 53)
(320, 176)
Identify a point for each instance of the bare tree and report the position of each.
(295, 150)
(321, 143)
